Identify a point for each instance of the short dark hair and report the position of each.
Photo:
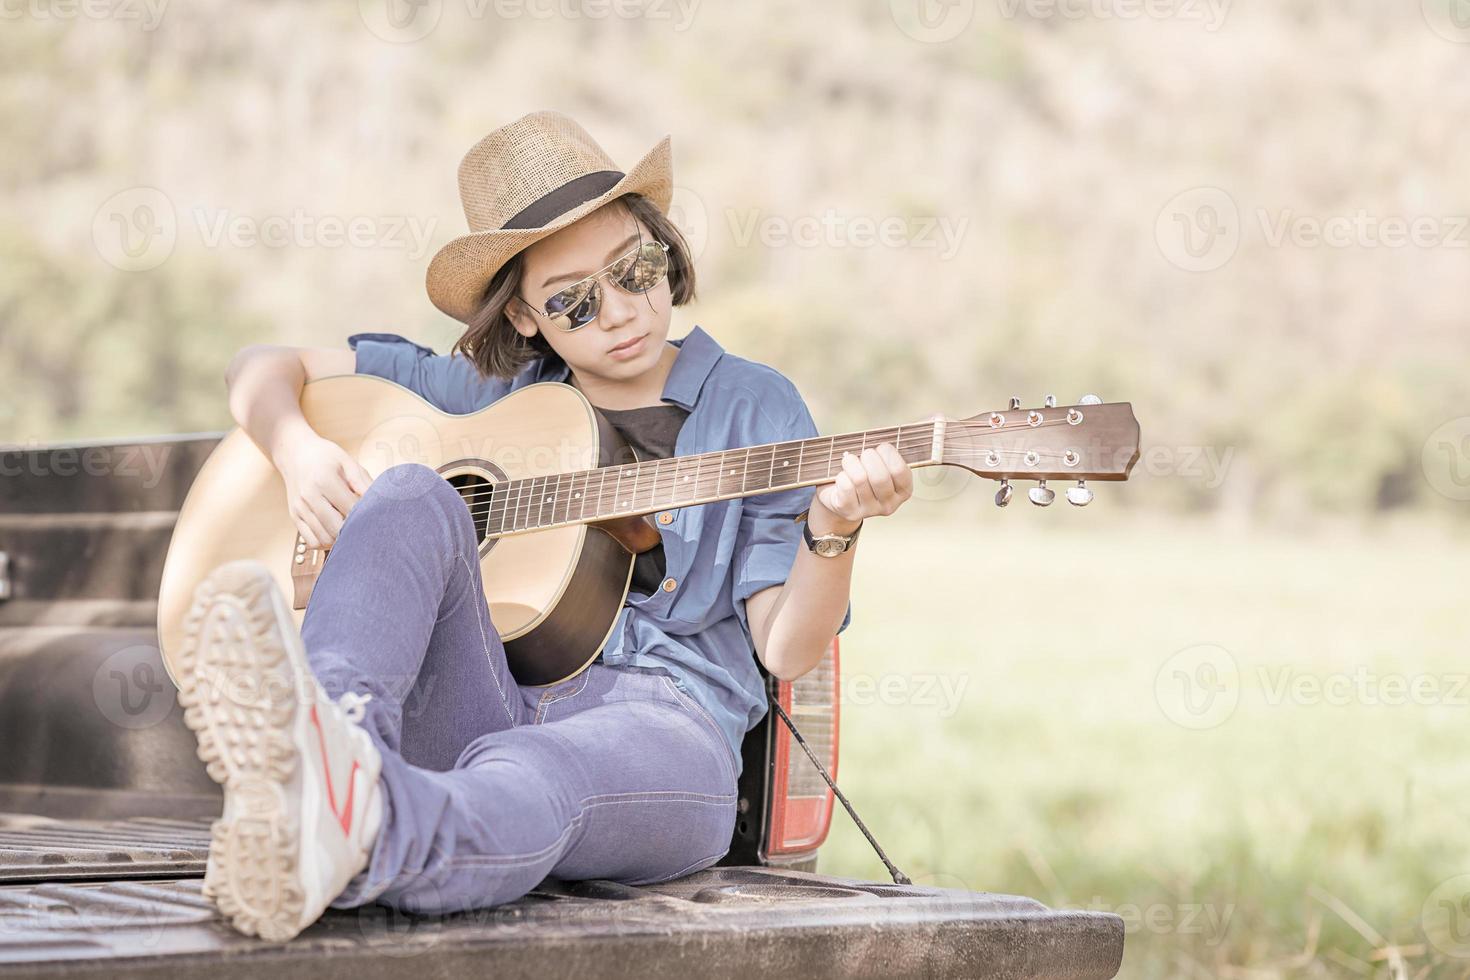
(491, 341)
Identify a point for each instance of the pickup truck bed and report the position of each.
(105, 811)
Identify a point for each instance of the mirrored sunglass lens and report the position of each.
(646, 269)
(582, 313)
(560, 303)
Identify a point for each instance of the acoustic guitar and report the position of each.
(561, 503)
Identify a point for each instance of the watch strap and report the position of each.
(811, 541)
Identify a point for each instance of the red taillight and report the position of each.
(801, 800)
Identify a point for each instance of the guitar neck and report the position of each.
(590, 496)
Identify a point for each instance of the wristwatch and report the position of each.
(828, 545)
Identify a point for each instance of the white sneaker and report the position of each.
(302, 802)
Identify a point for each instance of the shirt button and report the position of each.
(667, 517)
(670, 584)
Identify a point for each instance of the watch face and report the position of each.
(828, 548)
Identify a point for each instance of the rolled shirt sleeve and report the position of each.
(768, 538)
(449, 382)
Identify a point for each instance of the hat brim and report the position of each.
(460, 271)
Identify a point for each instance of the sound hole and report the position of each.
(475, 490)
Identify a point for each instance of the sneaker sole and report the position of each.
(240, 690)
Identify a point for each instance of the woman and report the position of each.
(384, 752)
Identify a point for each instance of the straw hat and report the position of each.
(523, 182)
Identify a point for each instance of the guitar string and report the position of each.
(711, 488)
(914, 440)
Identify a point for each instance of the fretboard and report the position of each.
(589, 496)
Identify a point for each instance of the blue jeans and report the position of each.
(490, 787)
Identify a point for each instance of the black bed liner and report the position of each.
(36, 848)
(724, 922)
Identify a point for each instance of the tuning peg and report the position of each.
(1089, 400)
(1049, 402)
(1003, 495)
(1079, 496)
(1015, 402)
(1042, 495)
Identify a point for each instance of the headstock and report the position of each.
(1086, 441)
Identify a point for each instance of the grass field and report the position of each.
(1251, 745)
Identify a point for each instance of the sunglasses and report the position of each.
(636, 272)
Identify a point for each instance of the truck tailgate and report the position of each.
(724, 922)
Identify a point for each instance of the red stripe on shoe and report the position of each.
(344, 816)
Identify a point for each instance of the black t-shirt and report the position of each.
(652, 431)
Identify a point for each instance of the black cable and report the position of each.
(899, 878)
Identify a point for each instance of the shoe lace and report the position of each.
(353, 704)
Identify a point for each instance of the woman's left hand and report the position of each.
(872, 484)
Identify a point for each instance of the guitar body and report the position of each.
(237, 509)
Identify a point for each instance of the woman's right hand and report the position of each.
(323, 483)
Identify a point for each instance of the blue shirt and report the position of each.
(719, 554)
